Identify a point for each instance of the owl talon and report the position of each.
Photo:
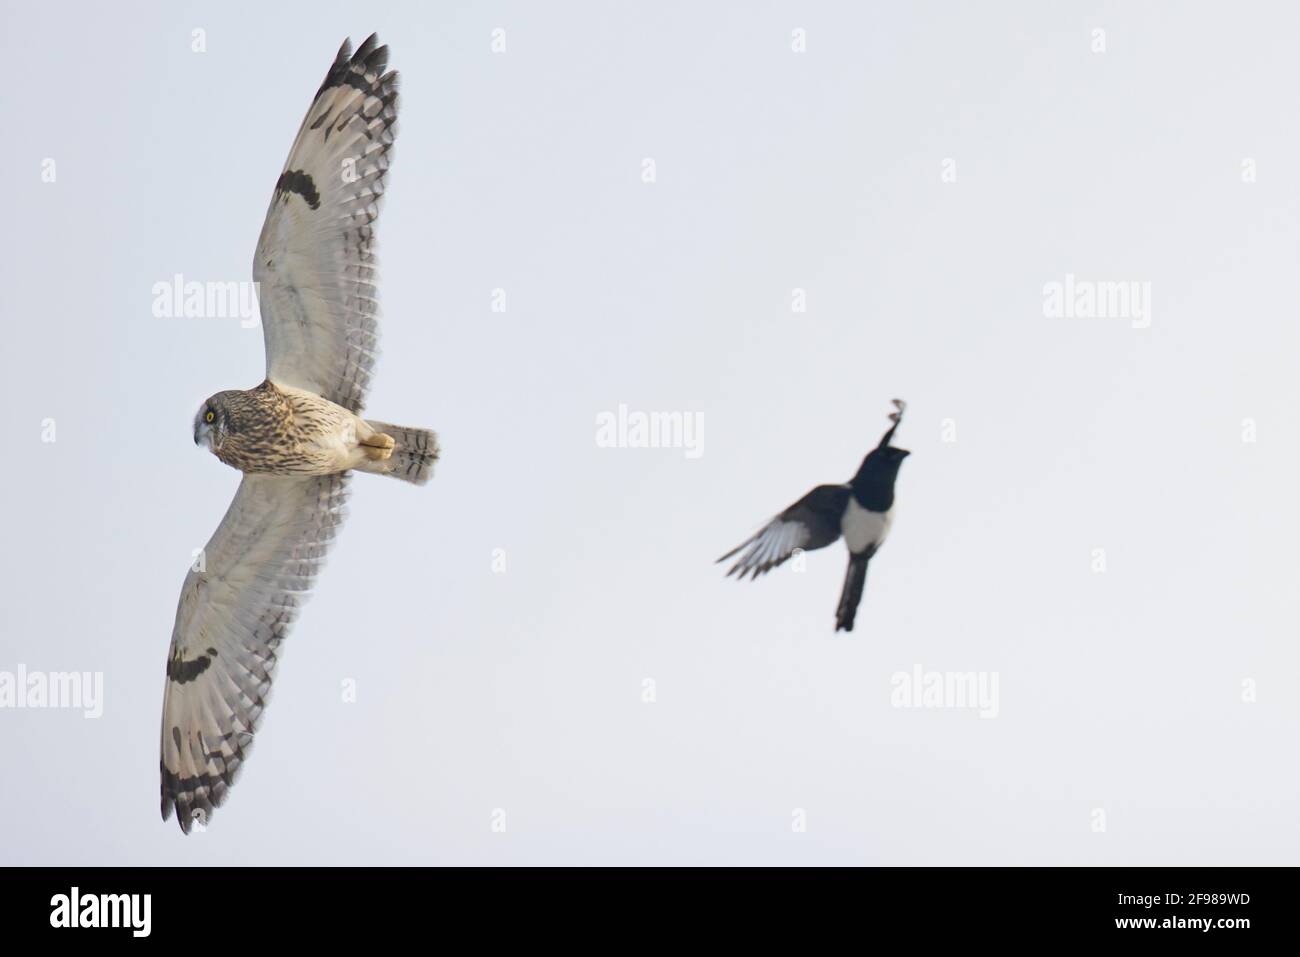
(378, 446)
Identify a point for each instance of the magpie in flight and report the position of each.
(861, 511)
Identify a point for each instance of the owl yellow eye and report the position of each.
(209, 416)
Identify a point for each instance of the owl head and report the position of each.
(213, 422)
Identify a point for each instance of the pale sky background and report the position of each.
(1120, 691)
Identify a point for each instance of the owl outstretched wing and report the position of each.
(812, 522)
(315, 261)
(236, 606)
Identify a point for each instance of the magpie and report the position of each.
(861, 511)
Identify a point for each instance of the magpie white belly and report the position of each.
(863, 528)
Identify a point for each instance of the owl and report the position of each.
(296, 437)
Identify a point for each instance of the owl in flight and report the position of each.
(296, 437)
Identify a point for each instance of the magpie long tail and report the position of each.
(855, 579)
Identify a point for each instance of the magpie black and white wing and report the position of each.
(812, 522)
(315, 261)
(236, 606)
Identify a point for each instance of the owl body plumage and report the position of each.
(280, 430)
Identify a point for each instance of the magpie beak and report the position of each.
(860, 510)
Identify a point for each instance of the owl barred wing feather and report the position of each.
(236, 606)
(315, 261)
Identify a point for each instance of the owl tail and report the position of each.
(412, 454)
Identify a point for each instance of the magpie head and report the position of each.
(882, 464)
(873, 486)
(887, 459)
